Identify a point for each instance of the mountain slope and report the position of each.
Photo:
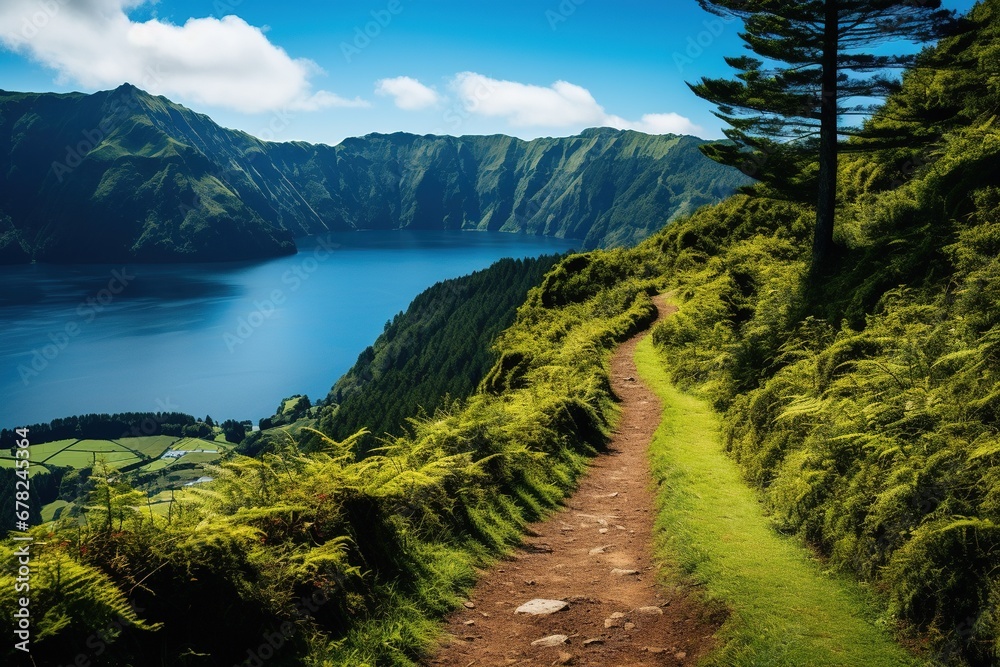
(109, 176)
(124, 175)
(441, 347)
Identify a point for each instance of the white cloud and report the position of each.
(655, 123)
(221, 62)
(408, 93)
(562, 104)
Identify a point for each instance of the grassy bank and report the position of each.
(785, 610)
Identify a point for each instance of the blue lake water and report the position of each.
(228, 340)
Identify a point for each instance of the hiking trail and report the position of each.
(595, 555)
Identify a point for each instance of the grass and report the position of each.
(199, 457)
(52, 511)
(189, 444)
(149, 445)
(35, 468)
(72, 457)
(158, 464)
(97, 446)
(177, 477)
(785, 610)
(42, 451)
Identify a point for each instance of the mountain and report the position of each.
(122, 175)
(117, 175)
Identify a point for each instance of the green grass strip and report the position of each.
(784, 608)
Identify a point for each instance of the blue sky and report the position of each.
(323, 71)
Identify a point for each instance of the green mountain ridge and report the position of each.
(123, 175)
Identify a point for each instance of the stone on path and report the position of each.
(650, 611)
(551, 640)
(541, 607)
(618, 572)
(614, 620)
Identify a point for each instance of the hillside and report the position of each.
(863, 402)
(434, 353)
(439, 349)
(122, 175)
(859, 402)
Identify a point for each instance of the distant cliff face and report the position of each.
(124, 175)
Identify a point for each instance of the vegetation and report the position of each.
(784, 607)
(864, 406)
(124, 176)
(61, 469)
(437, 351)
(785, 111)
(103, 427)
(344, 559)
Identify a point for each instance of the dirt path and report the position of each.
(596, 555)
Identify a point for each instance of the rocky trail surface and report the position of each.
(584, 588)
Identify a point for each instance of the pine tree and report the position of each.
(785, 108)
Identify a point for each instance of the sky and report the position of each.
(323, 71)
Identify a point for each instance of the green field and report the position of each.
(96, 446)
(86, 453)
(199, 457)
(158, 464)
(151, 446)
(182, 476)
(188, 444)
(160, 502)
(73, 453)
(46, 449)
(35, 468)
(72, 459)
(53, 510)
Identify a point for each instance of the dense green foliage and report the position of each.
(122, 175)
(334, 558)
(102, 426)
(865, 405)
(438, 350)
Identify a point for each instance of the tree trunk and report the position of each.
(826, 205)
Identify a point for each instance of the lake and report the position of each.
(227, 340)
